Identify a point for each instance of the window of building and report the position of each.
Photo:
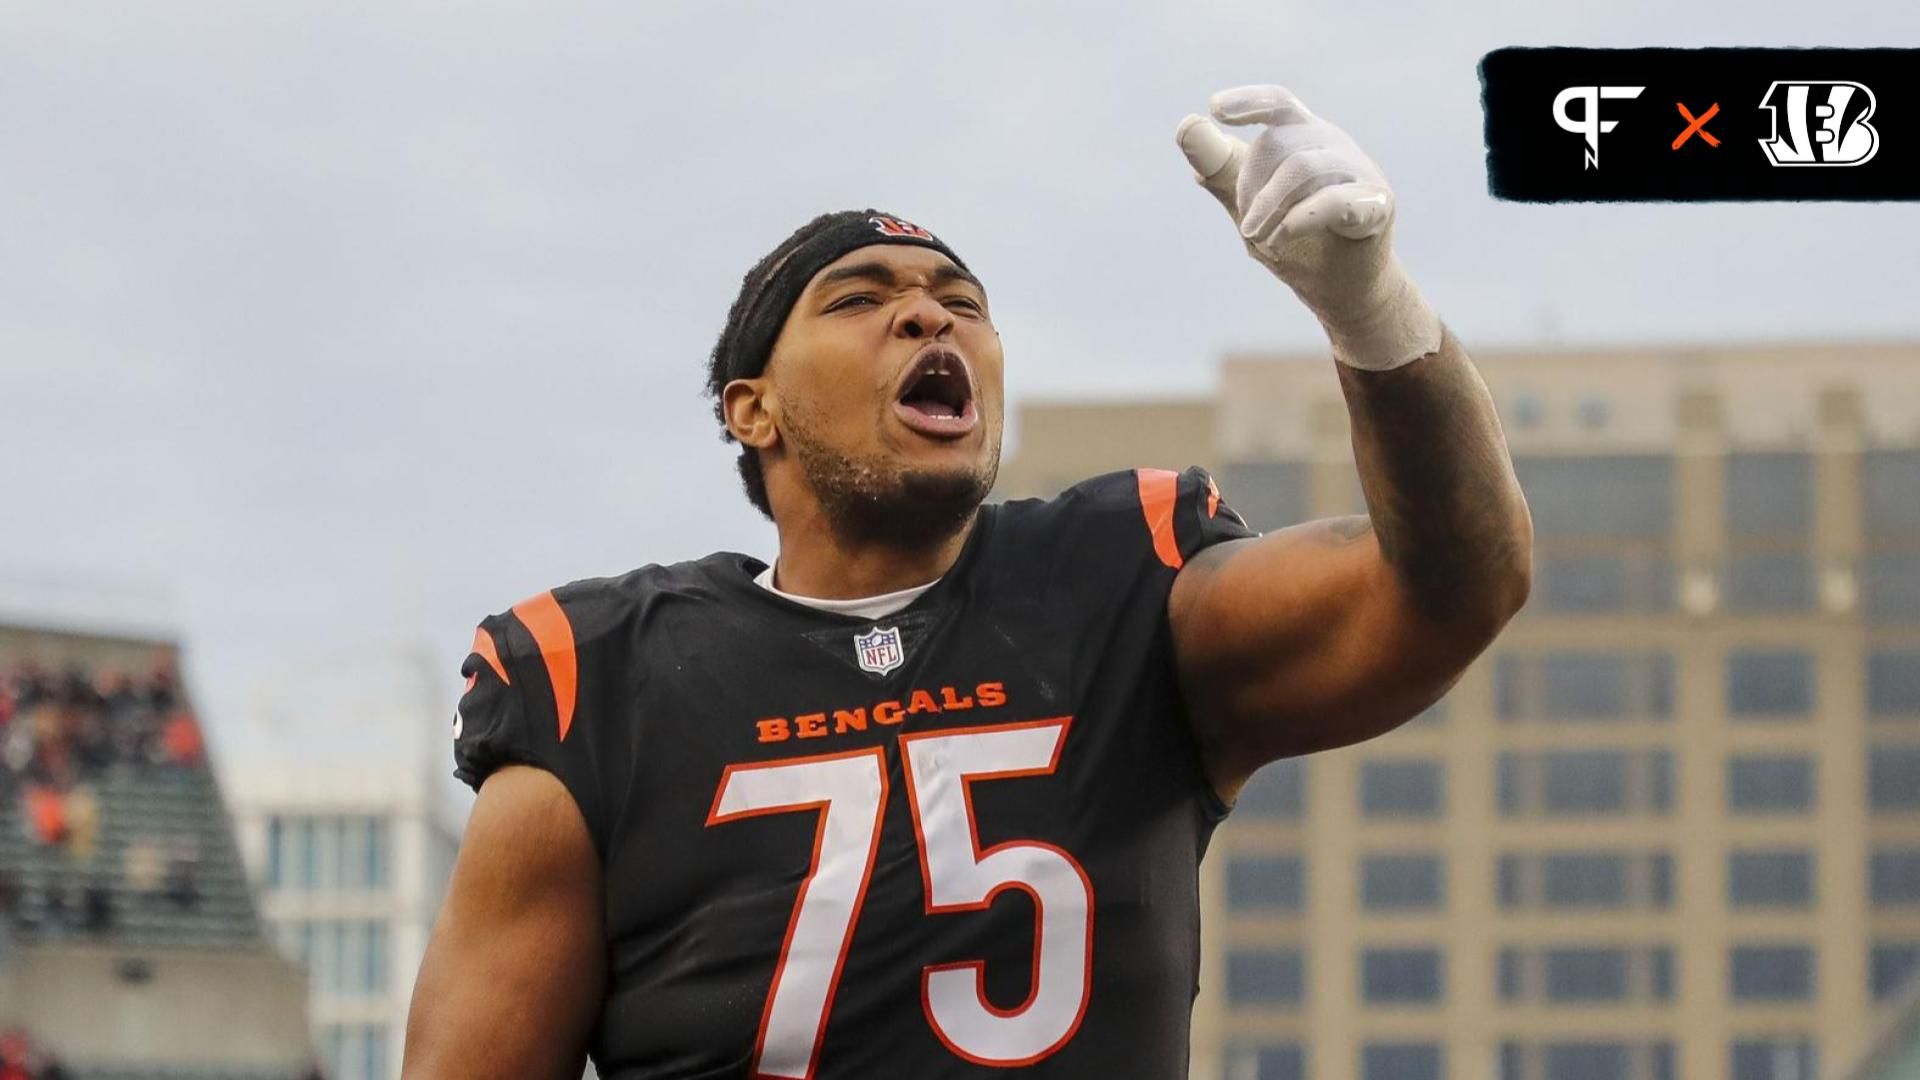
(1590, 880)
(1762, 783)
(1890, 585)
(1507, 881)
(1267, 1061)
(1588, 974)
(354, 1051)
(1893, 683)
(1893, 876)
(1893, 778)
(1585, 781)
(326, 853)
(1398, 976)
(1773, 1059)
(1575, 782)
(1268, 494)
(1277, 790)
(1890, 480)
(1583, 686)
(353, 853)
(1580, 686)
(343, 957)
(355, 963)
(1595, 412)
(1769, 682)
(1508, 777)
(376, 957)
(1660, 981)
(1772, 972)
(1891, 966)
(1266, 882)
(307, 868)
(1265, 976)
(1660, 880)
(1508, 974)
(276, 844)
(1769, 523)
(1769, 494)
(1404, 788)
(1659, 778)
(1575, 975)
(1577, 880)
(1588, 1061)
(1770, 879)
(1753, 581)
(1625, 496)
(1402, 1061)
(1585, 880)
(1402, 882)
(377, 854)
(1661, 1055)
(1571, 584)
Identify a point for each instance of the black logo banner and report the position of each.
(1588, 125)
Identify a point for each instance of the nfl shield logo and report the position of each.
(879, 651)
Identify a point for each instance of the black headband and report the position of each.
(773, 296)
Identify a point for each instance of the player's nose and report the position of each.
(923, 316)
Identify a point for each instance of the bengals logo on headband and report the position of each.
(891, 226)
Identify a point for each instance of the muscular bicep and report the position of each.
(513, 976)
(1299, 641)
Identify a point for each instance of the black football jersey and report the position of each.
(955, 840)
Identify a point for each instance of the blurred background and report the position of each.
(328, 329)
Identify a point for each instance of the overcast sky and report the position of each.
(339, 325)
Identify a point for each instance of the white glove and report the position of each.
(1313, 208)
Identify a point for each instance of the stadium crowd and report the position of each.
(62, 734)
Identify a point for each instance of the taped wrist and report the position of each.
(1393, 327)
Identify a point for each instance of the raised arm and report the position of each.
(1333, 632)
(512, 979)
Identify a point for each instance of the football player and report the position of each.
(926, 794)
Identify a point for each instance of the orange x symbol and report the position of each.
(1699, 125)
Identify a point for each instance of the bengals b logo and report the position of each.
(891, 226)
(1820, 123)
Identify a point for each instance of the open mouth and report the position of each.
(936, 397)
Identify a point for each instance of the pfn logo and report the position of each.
(1826, 124)
(1589, 124)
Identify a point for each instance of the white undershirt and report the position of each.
(865, 607)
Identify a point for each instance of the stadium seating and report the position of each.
(121, 882)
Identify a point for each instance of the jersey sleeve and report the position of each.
(1109, 549)
(1184, 514)
(1150, 519)
(517, 708)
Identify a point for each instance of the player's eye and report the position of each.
(847, 301)
(969, 301)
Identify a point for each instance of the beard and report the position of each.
(873, 501)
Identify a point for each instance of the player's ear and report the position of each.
(748, 418)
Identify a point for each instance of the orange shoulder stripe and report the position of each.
(554, 634)
(1159, 490)
(483, 644)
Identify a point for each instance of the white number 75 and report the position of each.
(849, 790)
